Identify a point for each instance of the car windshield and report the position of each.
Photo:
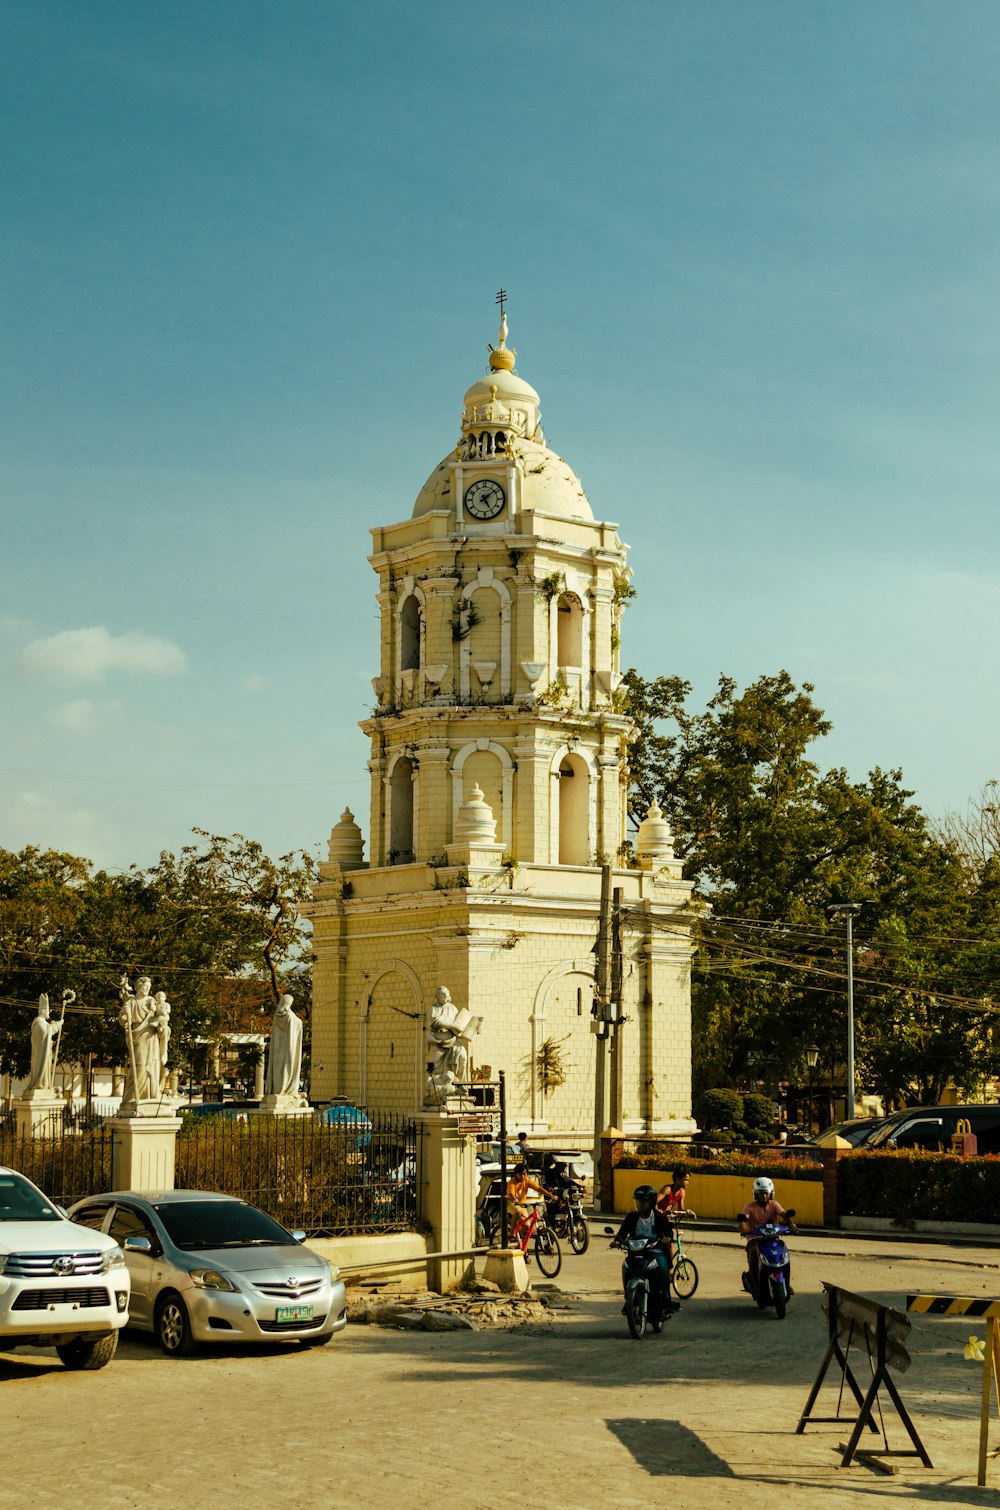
(21, 1202)
(219, 1224)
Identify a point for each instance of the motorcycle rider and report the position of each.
(646, 1221)
(757, 1213)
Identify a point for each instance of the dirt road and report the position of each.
(572, 1414)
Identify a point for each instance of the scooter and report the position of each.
(773, 1267)
(641, 1282)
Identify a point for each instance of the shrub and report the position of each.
(727, 1163)
(719, 1109)
(758, 1113)
(904, 1185)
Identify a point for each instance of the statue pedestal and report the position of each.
(506, 1268)
(286, 1105)
(144, 1149)
(38, 1114)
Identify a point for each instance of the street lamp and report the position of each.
(812, 1054)
(850, 911)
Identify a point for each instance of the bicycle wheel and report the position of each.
(684, 1277)
(579, 1235)
(548, 1254)
(636, 1309)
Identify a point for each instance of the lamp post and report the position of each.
(850, 911)
(812, 1054)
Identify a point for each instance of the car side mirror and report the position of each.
(137, 1245)
(297, 1236)
(609, 1231)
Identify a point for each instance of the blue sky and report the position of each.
(249, 258)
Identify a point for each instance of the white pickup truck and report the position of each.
(61, 1285)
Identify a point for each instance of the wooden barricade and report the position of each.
(883, 1330)
(989, 1310)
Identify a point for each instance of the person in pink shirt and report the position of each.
(757, 1213)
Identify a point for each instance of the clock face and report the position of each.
(484, 499)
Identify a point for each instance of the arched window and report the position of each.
(569, 621)
(574, 811)
(409, 634)
(401, 812)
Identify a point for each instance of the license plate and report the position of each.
(294, 1313)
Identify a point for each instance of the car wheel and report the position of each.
(173, 1329)
(88, 1352)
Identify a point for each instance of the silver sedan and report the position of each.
(210, 1268)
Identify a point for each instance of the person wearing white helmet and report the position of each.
(757, 1213)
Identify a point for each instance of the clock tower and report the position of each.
(499, 772)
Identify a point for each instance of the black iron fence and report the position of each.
(66, 1164)
(328, 1180)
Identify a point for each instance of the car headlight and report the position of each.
(114, 1258)
(211, 1279)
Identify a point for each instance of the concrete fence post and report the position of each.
(143, 1152)
(830, 1159)
(446, 1193)
(612, 1148)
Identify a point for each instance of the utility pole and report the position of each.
(850, 911)
(616, 1007)
(599, 1025)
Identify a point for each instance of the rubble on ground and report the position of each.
(481, 1306)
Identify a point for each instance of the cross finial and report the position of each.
(501, 299)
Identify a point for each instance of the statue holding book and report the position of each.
(449, 1042)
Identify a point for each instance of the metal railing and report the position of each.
(325, 1180)
(66, 1163)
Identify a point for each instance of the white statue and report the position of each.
(159, 1041)
(136, 1015)
(284, 1052)
(449, 1044)
(44, 1044)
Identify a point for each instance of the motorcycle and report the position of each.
(567, 1220)
(773, 1286)
(642, 1284)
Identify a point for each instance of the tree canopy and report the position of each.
(770, 840)
(220, 911)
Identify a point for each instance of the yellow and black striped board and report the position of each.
(951, 1305)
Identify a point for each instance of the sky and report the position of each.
(249, 258)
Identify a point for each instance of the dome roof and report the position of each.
(502, 401)
(548, 485)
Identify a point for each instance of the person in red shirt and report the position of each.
(757, 1213)
(670, 1198)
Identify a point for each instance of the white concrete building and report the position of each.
(501, 599)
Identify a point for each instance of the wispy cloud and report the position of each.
(254, 684)
(87, 655)
(81, 716)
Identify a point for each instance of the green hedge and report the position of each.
(910, 1185)
(728, 1163)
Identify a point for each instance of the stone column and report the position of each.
(143, 1152)
(38, 1115)
(446, 1188)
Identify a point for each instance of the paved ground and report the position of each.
(572, 1414)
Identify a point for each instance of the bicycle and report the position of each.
(548, 1254)
(683, 1270)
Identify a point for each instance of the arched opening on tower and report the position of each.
(483, 769)
(409, 634)
(574, 811)
(569, 629)
(401, 812)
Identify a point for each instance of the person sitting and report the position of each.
(517, 1202)
(562, 1188)
(646, 1221)
(670, 1199)
(764, 1208)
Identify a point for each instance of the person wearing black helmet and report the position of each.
(646, 1221)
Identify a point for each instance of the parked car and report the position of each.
(857, 1131)
(210, 1268)
(932, 1127)
(61, 1285)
